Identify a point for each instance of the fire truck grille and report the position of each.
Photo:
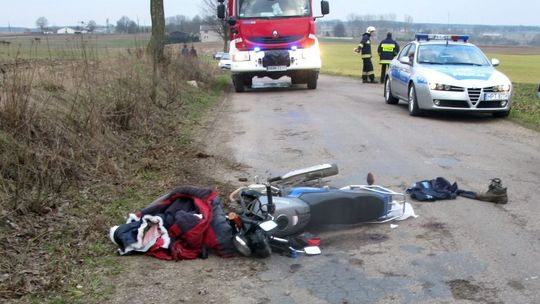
(277, 40)
(276, 58)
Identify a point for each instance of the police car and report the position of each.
(446, 73)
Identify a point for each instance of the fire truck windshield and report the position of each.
(273, 8)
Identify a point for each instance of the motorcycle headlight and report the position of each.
(241, 245)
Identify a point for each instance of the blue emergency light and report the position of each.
(428, 37)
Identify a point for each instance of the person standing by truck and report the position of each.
(364, 48)
(388, 49)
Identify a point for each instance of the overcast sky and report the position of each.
(70, 12)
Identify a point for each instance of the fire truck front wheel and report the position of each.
(312, 80)
(238, 82)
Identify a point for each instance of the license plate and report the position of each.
(274, 68)
(495, 96)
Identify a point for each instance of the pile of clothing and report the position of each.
(441, 189)
(183, 224)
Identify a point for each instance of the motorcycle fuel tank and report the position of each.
(291, 215)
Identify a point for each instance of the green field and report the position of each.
(519, 68)
(338, 58)
(67, 46)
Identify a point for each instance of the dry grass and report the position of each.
(72, 132)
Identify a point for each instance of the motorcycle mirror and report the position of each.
(312, 250)
(268, 225)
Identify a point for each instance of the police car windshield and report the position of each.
(453, 54)
(273, 8)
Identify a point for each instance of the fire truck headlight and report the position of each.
(311, 52)
(240, 56)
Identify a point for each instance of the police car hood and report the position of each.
(462, 75)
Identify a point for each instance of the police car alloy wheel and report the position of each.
(388, 97)
(413, 103)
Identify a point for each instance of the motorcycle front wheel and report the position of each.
(260, 244)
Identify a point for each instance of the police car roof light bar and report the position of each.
(428, 37)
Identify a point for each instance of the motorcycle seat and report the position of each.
(336, 207)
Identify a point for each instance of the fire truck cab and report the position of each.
(272, 38)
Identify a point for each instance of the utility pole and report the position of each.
(449, 23)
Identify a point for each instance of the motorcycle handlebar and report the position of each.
(274, 179)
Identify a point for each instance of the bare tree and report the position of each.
(339, 29)
(42, 23)
(157, 41)
(408, 22)
(209, 12)
(91, 25)
(122, 24)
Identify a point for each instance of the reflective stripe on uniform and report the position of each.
(388, 47)
(366, 56)
(360, 45)
(385, 61)
(368, 73)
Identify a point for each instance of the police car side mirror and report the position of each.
(495, 62)
(405, 60)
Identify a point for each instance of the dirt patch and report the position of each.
(354, 239)
(466, 290)
(438, 236)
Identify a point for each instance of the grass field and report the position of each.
(339, 59)
(67, 46)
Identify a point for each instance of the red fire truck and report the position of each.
(272, 38)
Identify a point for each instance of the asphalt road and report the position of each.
(456, 251)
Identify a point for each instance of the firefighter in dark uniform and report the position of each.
(364, 48)
(388, 49)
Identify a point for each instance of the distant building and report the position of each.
(492, 35)
(68, 30)
(208, 34)
(65, 30)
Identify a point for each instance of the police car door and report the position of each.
(399, 72)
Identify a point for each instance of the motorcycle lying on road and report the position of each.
(291, 203)
(253, 227)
